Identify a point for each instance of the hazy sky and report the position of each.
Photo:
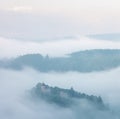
(39, 19)
(62, 6)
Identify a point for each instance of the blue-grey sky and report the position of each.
(48, 19)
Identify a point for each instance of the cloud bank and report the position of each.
(15, 104)
(13, 48)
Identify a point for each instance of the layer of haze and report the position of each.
(55, 48)
(15, 84)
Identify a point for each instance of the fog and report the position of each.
(15, 104)
(13, 48)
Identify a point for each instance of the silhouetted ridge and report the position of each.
(64, 97)
(83, 61)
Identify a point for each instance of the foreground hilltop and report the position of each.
(65, 97)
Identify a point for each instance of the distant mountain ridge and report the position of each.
(82, 61)
(112, 36)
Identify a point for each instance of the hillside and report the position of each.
(64, 97)
(83, 61)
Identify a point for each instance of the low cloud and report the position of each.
(14, 86)
(13, 48)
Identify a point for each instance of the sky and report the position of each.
(52, 19)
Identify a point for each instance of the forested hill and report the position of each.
(65, 97)
(83, 61)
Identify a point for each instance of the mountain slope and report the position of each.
(64, 97)
(83, 61)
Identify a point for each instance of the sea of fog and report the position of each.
(53, 48)
(15, 84)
